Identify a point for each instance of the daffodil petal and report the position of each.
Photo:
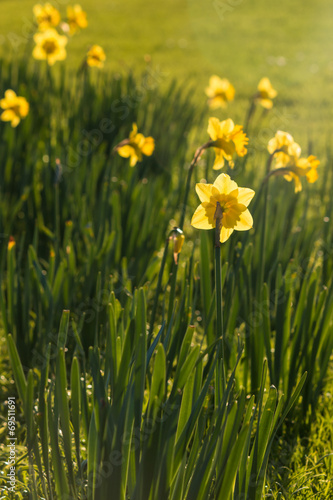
(312, 176)
(148, 146)
(125, 151)
(225, 234)
(224, 184)
(204, 191)
(213, 128)
(219, 159)
(245, 195)
(227, 126)
(7, 115)
(245, 221)
(266, 103)
(133, 161)
(203, 217)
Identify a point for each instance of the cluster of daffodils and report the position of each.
(287, 160)
(51, 44)
(220, 91)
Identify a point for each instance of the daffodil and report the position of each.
(265, 93)
(136, 146)
(225, 202)
(283, 148)
(96, 56)
(228, 140)
(76, 18)
(219, 92)
(15, 108)
(50, 46)
(297, 168)
(46, 16)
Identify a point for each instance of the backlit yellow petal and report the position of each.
(205, 191)
(148, 146)
(125, 151)
(225, 234)
(133, 160)
(219, 159)
(266, 103)
(203, 217)
(224, 184)
(245, 195)
(213, 128)
(7, 115)
(245, 221)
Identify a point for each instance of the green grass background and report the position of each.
(291, 42)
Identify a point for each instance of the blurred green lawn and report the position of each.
(291, 42)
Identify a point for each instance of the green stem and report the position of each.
(249, 115)
(174, 268)
(158, 288)
(218, 289)
(196, 157)
(263, 231)
(57, 220)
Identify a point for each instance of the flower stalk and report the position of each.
(218, 289)
(174, 268)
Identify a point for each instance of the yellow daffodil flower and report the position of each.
(225, 201)
(76, 18)
(265, 93)
(50, 46)
(219, 92)
(96, 57)
(15, 108)
(229, 139)
(46, 16)
(297, 168)
(283, 147)
(136, 146)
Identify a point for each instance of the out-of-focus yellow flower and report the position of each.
(46, 16)
(96, 56)
(283, 147)
(178, 238)
(219, 92)
(50, 46)
(136, 146)
(229, 139)
(76, 18)
(15, 108)
(265, 93)
(11, 242)
(226, 202)
(297, 168)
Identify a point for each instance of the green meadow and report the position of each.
(133, 367)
